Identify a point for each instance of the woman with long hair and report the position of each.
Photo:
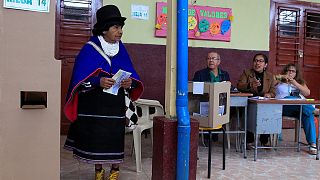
(292, 85)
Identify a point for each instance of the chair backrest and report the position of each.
(289, 122)
(289, 118)
(145, 105)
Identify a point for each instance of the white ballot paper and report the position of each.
(204, 108)
(198, 87)
(118, 77)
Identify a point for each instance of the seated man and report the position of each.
(212, 73)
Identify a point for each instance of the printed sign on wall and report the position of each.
(139, 12)
(29, 5)
(204, 22)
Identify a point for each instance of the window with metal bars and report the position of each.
(287, 35)
(74, 19)
(288, 22)
(313, 25)
(311, 36)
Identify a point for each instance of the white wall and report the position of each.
(250, 28)
(29, 139)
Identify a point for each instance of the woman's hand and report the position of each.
(267, 95)
(126, 83)
(255, 83)
(304, 90)
(292, 81)
(106, 82)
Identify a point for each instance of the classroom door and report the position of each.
(295, 38)
(74, 22)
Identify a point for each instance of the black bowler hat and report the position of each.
(108, 14)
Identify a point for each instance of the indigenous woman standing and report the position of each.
(96, 135)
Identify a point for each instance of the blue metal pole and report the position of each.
(182, 92)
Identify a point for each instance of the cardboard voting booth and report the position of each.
(209, 103)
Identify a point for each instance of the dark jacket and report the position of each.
(203, 75)
(90, 63)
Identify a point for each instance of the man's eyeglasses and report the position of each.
(258, 61)
(212, 59)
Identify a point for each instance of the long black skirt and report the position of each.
(97, 136)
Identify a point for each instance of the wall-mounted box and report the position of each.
(212, 108)
(33, 100)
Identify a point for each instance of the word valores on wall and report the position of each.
(204, 22)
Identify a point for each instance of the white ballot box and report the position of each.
(209, 103)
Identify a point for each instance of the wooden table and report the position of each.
(265, 117)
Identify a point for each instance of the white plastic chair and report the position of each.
(145, 121)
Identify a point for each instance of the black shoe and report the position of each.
(264, 139)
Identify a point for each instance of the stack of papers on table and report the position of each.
(258, 97)
(290, 99)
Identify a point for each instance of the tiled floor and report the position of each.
(271, 164)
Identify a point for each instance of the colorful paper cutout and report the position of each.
(225, 26)
(161, 21)
(197, 34)
(204, 22)
(203, 25)
(192, 22)
(231, 18)
(215, 28)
